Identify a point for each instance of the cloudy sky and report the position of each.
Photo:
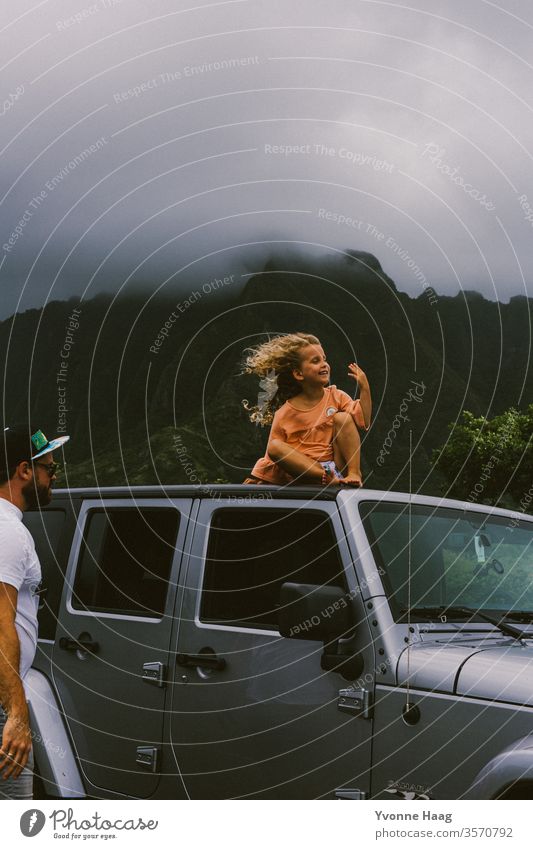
(163, 142)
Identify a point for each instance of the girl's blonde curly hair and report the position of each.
(274, 361)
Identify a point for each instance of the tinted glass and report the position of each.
(252, 552)
(456, 557)
(125, 561)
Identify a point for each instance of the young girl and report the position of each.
(313, 438)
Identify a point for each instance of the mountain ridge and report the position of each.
(122, 398)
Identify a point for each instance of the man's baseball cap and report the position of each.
(42, 445)
(19, 445)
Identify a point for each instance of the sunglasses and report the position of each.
(51, 468)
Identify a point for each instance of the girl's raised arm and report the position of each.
(365, 398)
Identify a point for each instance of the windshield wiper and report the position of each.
(520, 616)
(459, 610)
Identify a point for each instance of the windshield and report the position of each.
(458, 558)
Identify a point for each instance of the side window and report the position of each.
(125, 561)
(46, 527)
(252, 552)
(422, 580)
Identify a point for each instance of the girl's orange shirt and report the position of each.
(308, 431)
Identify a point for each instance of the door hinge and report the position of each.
(155, 673)
(349, 793)
(147, 757)
(356, 702)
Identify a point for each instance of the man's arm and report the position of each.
(16, 739)
(365, 398)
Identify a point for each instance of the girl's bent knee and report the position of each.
(341, 419)
(275, 450)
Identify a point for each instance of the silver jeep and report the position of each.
(292, 643)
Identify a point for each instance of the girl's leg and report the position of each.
(347, 448)
(304, 469)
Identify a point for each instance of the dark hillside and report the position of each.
(143, 412)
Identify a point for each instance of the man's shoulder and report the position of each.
(18, 557)
(8, 510)
(15, 538)
(11, 527)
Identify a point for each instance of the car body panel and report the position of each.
(269, 725)
(111, 710)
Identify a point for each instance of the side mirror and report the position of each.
(314, 612)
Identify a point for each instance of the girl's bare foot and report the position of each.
(352, 479)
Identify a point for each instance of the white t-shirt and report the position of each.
(20, 567)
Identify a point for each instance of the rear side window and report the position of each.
(125, 561)
(251, 553)
(46, 527)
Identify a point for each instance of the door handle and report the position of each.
(79, 645)
(209, 661)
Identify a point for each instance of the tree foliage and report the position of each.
(490, 461)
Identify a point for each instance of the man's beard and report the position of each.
(36, 495)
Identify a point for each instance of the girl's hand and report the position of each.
(357, 374)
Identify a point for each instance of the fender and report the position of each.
(514, 763)
(51, 744)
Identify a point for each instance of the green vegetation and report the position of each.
(473, 585)
(125, 400)
(490, 461)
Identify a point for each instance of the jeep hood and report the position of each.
(502, 672)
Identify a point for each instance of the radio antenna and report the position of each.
(410, 712)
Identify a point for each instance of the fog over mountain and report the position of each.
(164, 144)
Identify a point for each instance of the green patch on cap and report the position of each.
(39, 440)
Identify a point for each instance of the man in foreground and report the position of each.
(27, 471)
